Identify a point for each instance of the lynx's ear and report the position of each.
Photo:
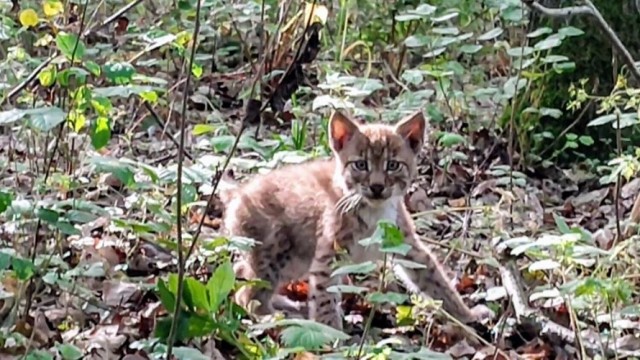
(412, 128)
(341, 130)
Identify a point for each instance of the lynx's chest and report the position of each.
(368, 218)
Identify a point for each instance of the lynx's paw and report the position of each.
(482, 313)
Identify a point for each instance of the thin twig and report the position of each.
(181, 260)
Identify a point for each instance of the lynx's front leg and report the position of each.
(432, 279)
(324, 307)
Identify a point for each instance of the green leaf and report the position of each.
(47, 215)
(69, 351)
(561, 224)
(24, 269)
(39, 355)
(570, 31)
(47, 118)
(346, 289)
(448, 139)
(201, 129)
(47, 76)
(5, 201)
(491, 34)
(539, 32)
(100, 132)
(11, 116)
(584, 140)
(198, 293)
(119, 73)
(390, 297)
(220, 285)
(67, 228)
(470, 48)
(362, 268)
(304, 333)
(167, 298)
(120, 169)
(5, 260)
(185, 353)
(550, 42)
(67, 43)
(93, 67)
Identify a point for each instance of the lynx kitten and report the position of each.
(298, 211)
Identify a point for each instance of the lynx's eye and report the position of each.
(360, 165)
(393, 165)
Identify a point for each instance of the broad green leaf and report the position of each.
(123, 171)
(470, 48)
(570, 31)
(546, 264)
(550, 42)
(5, 260)
(11, 116)
(47, 76)
(119, 73)
(561, 224)
(220, 285)
(304, 333)
(69, 351)
(539, 32)
(346, 289)
(93, 67)
(605, 119)
(362, 268)
(167, 298)
(390, 297)
(100, 132)
(201, 129)
(5, 201)
(185, 353)
(70, 46)
(491, 34)
(46, 119)
(448, 139)
(23, 268)
(584, 139)
(39, 355)
(47, 215)
(67, 228)
(198, 293)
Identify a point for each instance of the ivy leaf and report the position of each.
(66, 43)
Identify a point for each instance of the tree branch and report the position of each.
(591, 10)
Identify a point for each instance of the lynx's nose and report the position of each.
(376, 189)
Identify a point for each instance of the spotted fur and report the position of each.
(299, 212)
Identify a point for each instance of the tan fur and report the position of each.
(298, 211)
